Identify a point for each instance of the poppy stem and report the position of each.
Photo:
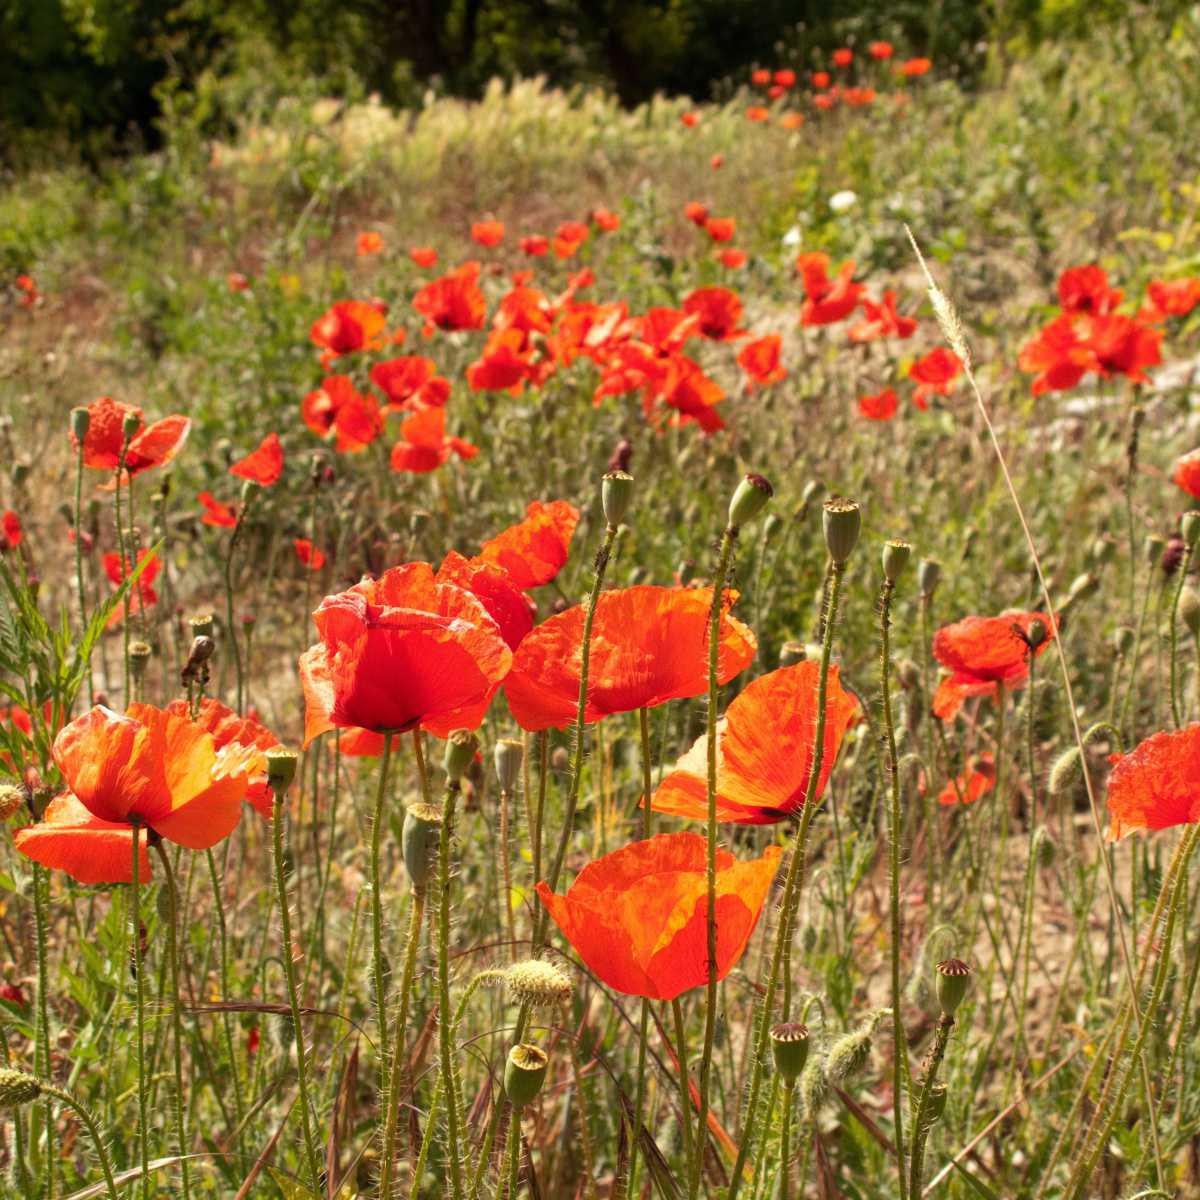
(176, 1023)
(230, 631)
(506, 871)
(921, 1116)
(1183, 570)
(514, 1154)
(83, 608)
(685, 1098)
(445, 1022)
(135, 933)
(784, 1191)
(90, 1124)
(932, 829)
(728, 542)
(278, 816)
(377, 965)
(226, 1017)
(126, 565)
(793, 885)
(900, 1080)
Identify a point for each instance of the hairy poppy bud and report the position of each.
(749, 498)
(460, 753)
(812, 489)
(508, 756)
(524, 1074)
(1044, 848)
(771, 526)
(1035, 635)
(842, 522)
(1102, 550)
(418, 521)
(12, 800)
(560, 760)
(953, 979)
(249, 487)
(202, 625)
(813, 1087)
(281, 769)
(908, 673)
(17, 1088)
(616, 495)
(1189, 610)
(789, 1047)
(791, 653)
(130, 426)
(1123, 639)
(929, 573)
(1066, 772)
(895, 559)
(81, 419)
(1189, 528)
(538, 983)
(848, 1055)
(422, 830)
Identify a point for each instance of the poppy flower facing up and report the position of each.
(454, 301)
(338, 410)
(649, 645)
(718, 311)
(533, 551)
(1156, 785)
(765, 745)
(721, 229)
(760, 77)
(1187, 473)
(638, 917)
(263, 466)
(215, 513)
(689, 120)
(880, 407)
(401, 652)
(974, 783)
(151, 446)
(828, 300)
(934, 375)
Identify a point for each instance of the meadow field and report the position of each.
(564, 650)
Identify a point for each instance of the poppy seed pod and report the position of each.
(616, 495)
(508, 757)
(929, 573)
(418, 521)
(749, 499)
(1189, 610)
(202, 625)
(772, 525)
(12, 800)
(842, 523)
(1102, 550)
(895, 559)
(130, 424)
(139, 656)
(524, 1074)
(461, 746)
(281, 769)
(789, 1047)
(538, 983)
(81, 419)
(422, 830)
(1189, 528)
(1036, 633)
(848, 1055)
(17, 1088)
(953, 979)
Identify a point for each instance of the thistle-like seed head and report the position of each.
(538, 983)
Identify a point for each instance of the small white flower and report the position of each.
(792, 237)
(840, 202)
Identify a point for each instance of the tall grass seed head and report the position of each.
(616, 496)
(508, 757)
(842, 522)
(524, 1073)
(461, 747)
(749, 499)
(953, 979)
(422, 831)
(895, 559)
(789, 1048)
(538, 983)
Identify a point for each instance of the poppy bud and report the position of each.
(1189, 527)
(1082, 587)
(202, 625)
(895, 559)
(789, 1046)
(524, 1074)
(12, 800)
(616, 495)
(1066, 772)
(749, 498)
(812, 490)
(1044, 848)
(460, 752)
(1172, 555)
(936, 1104)
(538, 983)
(1123, 639)
(812, 1089)
(560, 760)
(953, 979)
(842, 522)
(201, 652)
(17, 1088)
(248, 489)
(80, 420)
(130, 425)
(1102, 550)
(791, 653)
(1152, 547)
(848, 1055)
(908, 673)
(1189, 610)
(139, 656)
(1036, 633)
(771, 526)
(508, 756)
(422, 830)
(929, 573)
(281, 769)
(622, 456)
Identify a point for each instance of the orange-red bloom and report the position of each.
(264, 465)
(731, 258)
(533, 551)
(535, 245)
(512, 609)
(718, 311)
(988, 650)
(880, 407)
(649, 645)
(1156, 785)
(368, 242)
(569, 236)
(721, 229)
(760, 77)
(757, 113)
(695, 212)
(638, 916)
(843, 57)
(935, 375)
(143, 594)
(882, 320)
(761, 361)
(1187, 473)
(785, 77)
(11, 527)
(488, 233)
(765, 746)
(1085, 290)
(454, 301)
(216, 513)
(423, 256)
(424, 445)
(1171, 298)
(401, 652)
(410, 382)
(828, 300)
(69, 838)
(348, 326)
(606, 220)
(975, 782)
(880, 50)
(820, 80)
(152, 445)
(690, 119)
(791, 120)
(914, 67)
(337, 409)
(308, 554)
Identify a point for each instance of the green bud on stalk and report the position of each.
(461, 746)
(281, 769)
(895, 559)
(749, 499)
(616, 496)
(422, 829)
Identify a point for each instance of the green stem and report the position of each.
(1183, 570)
(932, 828)
(83, 608)
(785, 1143)
(135, 931)
(227, 1019)
(377, 967)
(514, 1154)
(90, 1124)
(639, 1103)
(126, 566)
(921, 1116)
(685, 1098)
(230, 631)
(445, 1024)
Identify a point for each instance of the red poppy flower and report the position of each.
(69, 838)
(12, 529)
(1156, 785)
(494, 588)
(765, 746)
(757, 113)
(488, 233)
(535, 245)
(216, 513)
(760, 360)
(988, 649)
(718, 311)
(237, 282)
(827, 300)
(882, 320)
(695, 212)
(859, 97)
(606, 220)
(401, 652)
(760, 77)
(143, 595)
(690, 119)
(880, 50)
(504, 364)
(935, 375)
(791, 120)
(880, 407)
(1085, 291)
(368, 242)
(1124, 346)
(1173, 298)
(155, 768)
(776, 92)
(649, 645)
(1058, 355)
(843, 57)
(786, 78)
(717, 162)
(264, 465)
(824, 101)
(152, 446)
(308, 554)
(423, 256)
(533, 551)
(568, 237)
(820, 79)
(1187, 473)
(454, 301)
(410, 382)
(337, 409)
(424, 446)
(975, 782)
(731, 258)
(691, 393)
(914, 67)
(720, 229)
(349, 326)
(954, 691)
(638, 917)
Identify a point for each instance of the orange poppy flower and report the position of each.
(308, 554)
(638, 917)
(423, 256)
(757, 113)
(690, 119)
(760, 360)
(988, 650)
(216, 513)
(568, 237)
(494, 588)
(237, 282)
(791, 120)
(695, 212)
(533, 551)
(935, 375)
(914, 67)
(721, 229)
(1187, 473)
(487, 233)
(820, 80)
(717, 161)
(368, 242)
(337, 409)
(143, 595)
(69, 838)
(152, 446)
(827, 300)
(880, 50)
(825, 100)
(454, 301)
(410, 382)
(401, 652)
(1171, 298)
(606, 220)
(155, 768)
(649, 645)
(692, 394)
(859, 97)
(785, 78)
(975, 782)
(718, 311)
(424, 445)
(246, 734)
(348, 326)
(504, 365)
(843, 57)
(1085, 291)
(1156, 785)
(765, 749)
(882, 320)
(11, 526)
(760, 77)
(880, 407)
(535, 245)
(731, 258)
(264, 465)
